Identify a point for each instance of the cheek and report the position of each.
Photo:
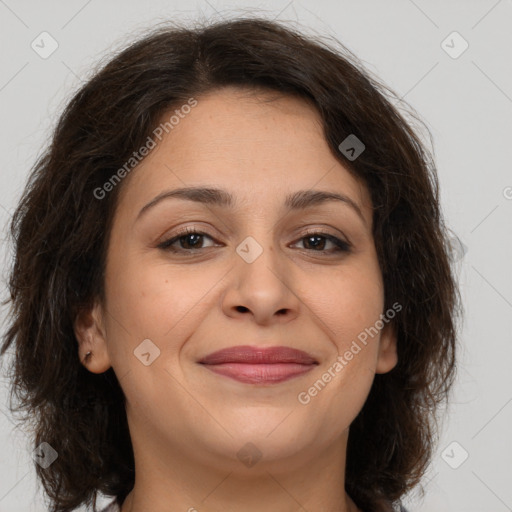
(349, 372)
(354, 302)
(156, 301)
(358, 299)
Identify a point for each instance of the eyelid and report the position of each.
(309, 232)
(341, 243)
(181, 231)
(324, 231)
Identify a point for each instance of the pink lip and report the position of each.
(253, 365)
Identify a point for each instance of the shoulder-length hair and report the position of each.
(62, 224)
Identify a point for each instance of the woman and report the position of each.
(231, 286)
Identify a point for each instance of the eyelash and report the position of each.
(340, 245)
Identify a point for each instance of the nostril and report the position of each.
(241, 309)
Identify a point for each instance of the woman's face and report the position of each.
(257, 277)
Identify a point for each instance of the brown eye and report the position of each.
(189, 240)
(317, 242)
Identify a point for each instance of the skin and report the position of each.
(187, 423)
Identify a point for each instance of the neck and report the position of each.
(175, 482)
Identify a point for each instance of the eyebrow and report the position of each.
(299, 200)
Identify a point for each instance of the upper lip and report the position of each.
(258, 355)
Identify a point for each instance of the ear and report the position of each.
(387, 357)
(91, 335)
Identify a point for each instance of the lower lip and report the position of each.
(260, 373)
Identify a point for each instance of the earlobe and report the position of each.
(92, 343)
(387, 357)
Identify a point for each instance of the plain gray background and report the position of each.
(465, 100)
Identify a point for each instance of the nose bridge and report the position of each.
(258, 252)
(258, 232)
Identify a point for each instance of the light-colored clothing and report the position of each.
(112, 507)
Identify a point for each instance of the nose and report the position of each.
(261, 284)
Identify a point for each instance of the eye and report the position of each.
(314, 240)
(190, 239)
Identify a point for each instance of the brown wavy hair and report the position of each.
(60, 233)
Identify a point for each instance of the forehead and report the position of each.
(259, 145)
